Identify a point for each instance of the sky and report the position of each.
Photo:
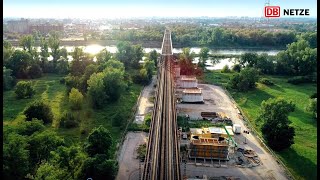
(146, 8)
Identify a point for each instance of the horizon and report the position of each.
(95, 9)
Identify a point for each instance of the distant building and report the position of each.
(46, 28)
(20, 26)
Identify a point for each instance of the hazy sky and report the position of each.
(139, 8)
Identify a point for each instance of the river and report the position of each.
(95, 48)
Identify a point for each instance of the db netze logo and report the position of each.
(272, 11)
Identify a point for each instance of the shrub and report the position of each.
(24, 89)
(75, 99)
(266, 81)
(300, 79)
(314, 95)
(39, 110)
(34, 71)
(68, 121)
(225, 69)
(8, 80)
(62, 80)
(236, 68)
(312, 107)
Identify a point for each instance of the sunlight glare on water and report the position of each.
(93, 49)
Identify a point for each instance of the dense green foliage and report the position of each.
(75, 99)
(99, 142)
(8, 80)
(225, 69)
(24, 89)
(245, 80)
(15, 156)
(313, 106)
(276, 130)
(266, 81)
(39, 110)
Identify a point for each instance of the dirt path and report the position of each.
(269, 169)
(128, 163)
(144, 103)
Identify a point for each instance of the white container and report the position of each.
(236, 128)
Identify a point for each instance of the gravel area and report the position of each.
(217, 100)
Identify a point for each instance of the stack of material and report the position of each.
(209, 148)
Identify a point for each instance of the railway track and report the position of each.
(162, 158)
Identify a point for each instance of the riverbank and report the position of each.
(148, 44)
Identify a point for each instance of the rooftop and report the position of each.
(185, 78)
(192, 91)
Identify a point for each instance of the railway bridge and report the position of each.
(162, 158)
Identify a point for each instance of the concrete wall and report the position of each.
(192, 98)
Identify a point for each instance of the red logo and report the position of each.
(272, 11)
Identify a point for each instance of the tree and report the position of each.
(24, 89)
(79, 62)
(7, 51)
(75, 99)
(129, 55)
(8, 80)
(41, 144)
(19, 63)
(27, 42)
(248, 59)
(312, 107)
(149, 66)
(203, 56)
(236, 68)
(225, 69)
(99, 141)
(44, 54)
(153, 56)
(125, 53)
(298, 59)
(96, 90)
(138, 54)
(48, 171)
(62, 66)
(99, 168)
(54, 44)
(63, 53)
(265, 64)
(187, 55)
(15, 156)
(275, 129)
(69, 158)
(114, 83)
(34, 71)
(39, 110)
(245, 80)
(103, 56)
(27, 128)
(90, 69)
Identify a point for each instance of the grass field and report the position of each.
(301, 157)
(49, 89)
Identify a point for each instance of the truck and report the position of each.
(236, 128)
